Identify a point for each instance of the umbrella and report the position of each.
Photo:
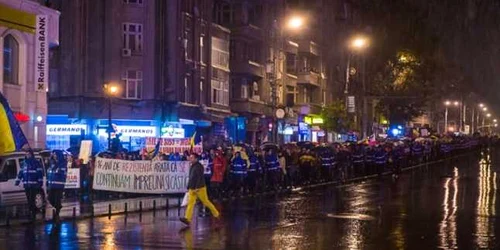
(305, 144)
(268, 145)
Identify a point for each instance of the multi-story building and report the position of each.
(28, 31)
(169, 61)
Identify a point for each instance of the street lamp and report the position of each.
(358, 44)
(111, 90)
(481, 105)
(290, 23)
(485, 109)
(488, 115)
(295, 22)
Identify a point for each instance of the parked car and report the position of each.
(10, 194)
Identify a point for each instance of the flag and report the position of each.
(192, 141)
(157, 149)
(12, 136)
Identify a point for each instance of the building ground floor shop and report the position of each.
(65, 133)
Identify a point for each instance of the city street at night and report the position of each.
(446, 205)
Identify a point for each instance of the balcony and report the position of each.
(309, 77)
(250, 106)
(247, 68)
(308, 108)
(308, 46)
(248, 31)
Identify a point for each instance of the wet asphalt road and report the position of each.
(450, 205)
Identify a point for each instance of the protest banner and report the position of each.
(170, 146)
(150, 177)
(72, 179)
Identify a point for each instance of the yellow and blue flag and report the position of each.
(12, 137)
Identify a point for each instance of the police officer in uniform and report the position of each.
(238, 172)
(31, 174)
(56, 179)
(272, 169)
(380, 159)
(253, 173)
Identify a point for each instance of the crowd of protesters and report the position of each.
(243, 169)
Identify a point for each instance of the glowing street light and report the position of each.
(359, 43)
(481, 105)
(494, 120)
(488, 115)
(447, 103)
(111, 90)
(456, 103)
(485, 109)
(295, 22)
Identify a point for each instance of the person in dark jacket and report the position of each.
(56, 179)
(238, 173)
(31, 174)
(253, 173)
(197, 189)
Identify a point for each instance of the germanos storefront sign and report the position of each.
(16, 19)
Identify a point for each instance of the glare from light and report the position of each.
(488, 115)
(359, 43)
(395, 131)
(485, 109)
(494, 120)
(295, 22)
(456, 103)
(481, 105)
(39, 118)
(447, 103)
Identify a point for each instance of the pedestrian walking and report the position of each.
(31, 174)
(219, 171)
(56, 179)
(197, 190)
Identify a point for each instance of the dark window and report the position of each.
(10, 169)
(10, 60)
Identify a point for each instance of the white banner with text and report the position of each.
(150, 177)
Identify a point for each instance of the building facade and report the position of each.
(28, 31)
(220, 68)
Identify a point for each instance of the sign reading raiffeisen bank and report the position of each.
(41, 54)
(65, 129)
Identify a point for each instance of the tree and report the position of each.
(403, 87)
(335, 117)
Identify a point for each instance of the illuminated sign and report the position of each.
(288, 130)
(173, 133)
(308, 120)
(303, 128)
(134, 131)
(313, 120)
(317, 120)
(65, 129)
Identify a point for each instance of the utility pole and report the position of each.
(365, 103)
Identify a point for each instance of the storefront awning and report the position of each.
(16, 19)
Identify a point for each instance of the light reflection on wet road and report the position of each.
(448, 206)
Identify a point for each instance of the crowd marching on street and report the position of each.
(246, 170)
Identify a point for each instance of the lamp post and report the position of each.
(294, 22)
(446, 104)
(111, 90)
(358, 44)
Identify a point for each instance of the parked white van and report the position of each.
(10, 194)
